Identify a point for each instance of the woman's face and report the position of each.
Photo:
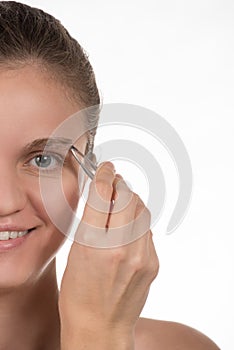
(31, 107)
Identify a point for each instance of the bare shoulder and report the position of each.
(164, 335)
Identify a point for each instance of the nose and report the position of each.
(12, 195)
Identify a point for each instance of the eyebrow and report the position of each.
(55, 143)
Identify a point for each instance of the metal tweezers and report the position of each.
(90, 168)
(90, 172)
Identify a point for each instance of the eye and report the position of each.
(46, 161)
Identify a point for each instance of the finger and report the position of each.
(130, 218)
(123, 211)
(97, 207)
(153, 257)
(142, 220)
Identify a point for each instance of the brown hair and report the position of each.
(31, 36)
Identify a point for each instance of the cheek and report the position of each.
(55, 201)
(70, 188)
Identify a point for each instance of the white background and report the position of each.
(176, 58)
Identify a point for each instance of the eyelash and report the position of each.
(55, 157)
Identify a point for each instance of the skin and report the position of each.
(102, 291)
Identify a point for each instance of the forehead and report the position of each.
(31, 104)
(31, 90)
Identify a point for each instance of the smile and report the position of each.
(6, 235)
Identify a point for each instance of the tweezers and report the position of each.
(90, 172)
(90, 168)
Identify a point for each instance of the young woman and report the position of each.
(44, 78)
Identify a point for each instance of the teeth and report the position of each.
(5, 235)
(13, 234)
(22, 233)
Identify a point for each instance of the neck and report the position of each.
(29, 317)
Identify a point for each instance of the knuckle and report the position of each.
(145, 270)
(140, 201)
(147, 215)
(154, 268)
(135, 198)
(138, 263)
(154, 271)
(142, 207)
(117, 256)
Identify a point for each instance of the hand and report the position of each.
(104, 290)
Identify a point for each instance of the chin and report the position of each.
(26, 263)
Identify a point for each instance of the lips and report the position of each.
(5, 235)
(8, 244)
(12, 227)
